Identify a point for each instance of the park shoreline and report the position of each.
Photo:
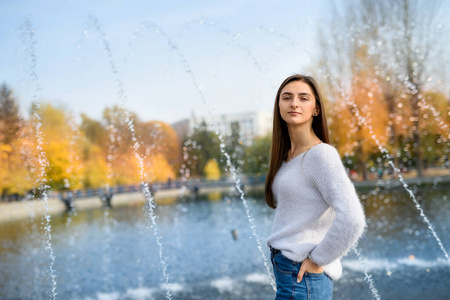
(20, 210)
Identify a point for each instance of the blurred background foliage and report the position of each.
(380, 72)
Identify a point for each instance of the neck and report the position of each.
(302, 136)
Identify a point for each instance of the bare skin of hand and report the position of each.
(308, 266)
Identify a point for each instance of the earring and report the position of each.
(315, 113)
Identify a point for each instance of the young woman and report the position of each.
(318, 215)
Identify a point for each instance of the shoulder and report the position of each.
(322, 158)
(324, 165)
(323, 151)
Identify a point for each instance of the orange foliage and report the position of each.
(353, 127)
(92, 154)
(159, 137)
(17, 168)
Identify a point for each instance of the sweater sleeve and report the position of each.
(328, 174)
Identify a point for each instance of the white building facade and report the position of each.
(251, 124)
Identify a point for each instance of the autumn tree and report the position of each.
(159, 137)
(418, 41)
(93, 130)
(350, 75)
(94, 137)
(116, 117)
(121, 162)
(159, 146)
(63, 153)
(380, 54)
(16, 154)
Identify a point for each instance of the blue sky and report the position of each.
(73, 69)
(238, 62)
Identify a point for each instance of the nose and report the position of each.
(294, 102)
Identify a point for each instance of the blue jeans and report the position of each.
(314, 286)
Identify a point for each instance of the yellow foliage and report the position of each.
(125, 169)
(75, 162)
(63, 171)
(212, 170)
(55, 122)
(5, 149)
(95, 172)
(159, 168)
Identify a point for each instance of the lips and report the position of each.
(294, 113)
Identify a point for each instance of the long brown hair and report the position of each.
(281, 142)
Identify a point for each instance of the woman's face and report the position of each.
(297, 103)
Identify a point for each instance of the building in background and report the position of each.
(250, 124)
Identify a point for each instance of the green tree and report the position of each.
(435, 131)
(234, 147)
(257, 155)
(10, 120)
(202, 145)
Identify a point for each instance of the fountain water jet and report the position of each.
(237, 181)
(233, 170)
(186, 65)
(144, 185)
(106, 245)
(28, 40)
(387, 156)
(367, 276)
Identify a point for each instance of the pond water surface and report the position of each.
(116, 256)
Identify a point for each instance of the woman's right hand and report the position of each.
(308, 266)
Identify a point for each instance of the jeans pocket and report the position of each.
(282, 264)
(316, 274)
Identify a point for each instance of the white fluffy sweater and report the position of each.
(318, 210)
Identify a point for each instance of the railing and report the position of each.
(170, 184)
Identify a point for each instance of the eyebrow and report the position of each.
(301, 94)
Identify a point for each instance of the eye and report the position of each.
(305, 98)
(287, 98)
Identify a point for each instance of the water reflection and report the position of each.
(211, 252)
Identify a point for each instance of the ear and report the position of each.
(317, 110)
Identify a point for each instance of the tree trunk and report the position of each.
(393, 139)
(361, 162)
(416, 135)
(415, 91)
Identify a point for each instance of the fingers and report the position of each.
(308, 265)
(301, 273)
